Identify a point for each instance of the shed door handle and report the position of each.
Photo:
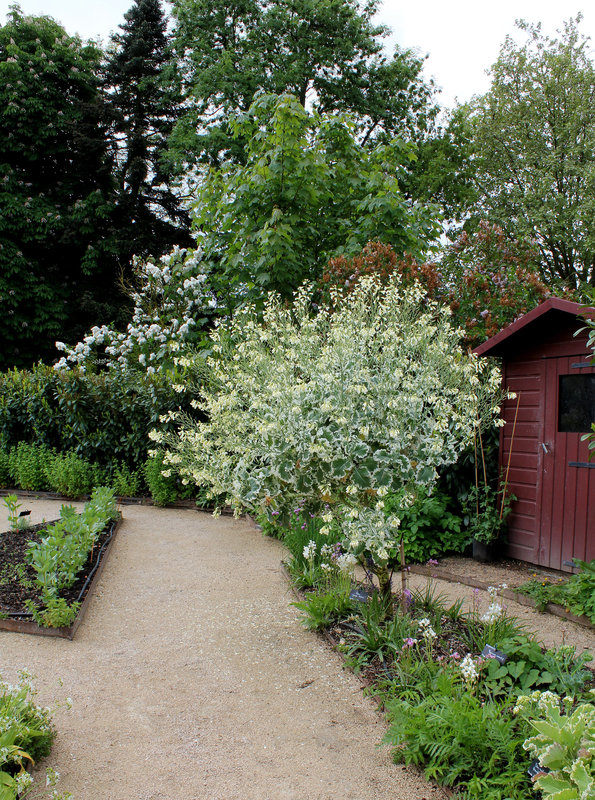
(545, 447)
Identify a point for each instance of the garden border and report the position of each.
(67, 631)
(517, 597)
(125, 501)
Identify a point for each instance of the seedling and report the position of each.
(16, 519)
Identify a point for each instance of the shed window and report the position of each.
(577, 403)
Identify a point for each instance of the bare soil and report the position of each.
(17, 577)
(192, 678)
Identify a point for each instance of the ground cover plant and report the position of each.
(576, 593)
(26, 736)
(43, 569)
(452, 703)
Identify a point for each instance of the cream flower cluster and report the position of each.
(343, 407)
(172, 295)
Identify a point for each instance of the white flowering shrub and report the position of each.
(170, 304)
(338, 408)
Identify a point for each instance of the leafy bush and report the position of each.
(580, 590)
(462, 740)
(340, 407)
(127, 482)
(163, 483)
(6, 480)
(29, 465)
(103, 418)
(71, 475)
(428, 527)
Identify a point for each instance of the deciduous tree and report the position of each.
(534, 150)
(307, 191)
(328, 53)
(57, 273)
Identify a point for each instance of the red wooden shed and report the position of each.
(549, 369)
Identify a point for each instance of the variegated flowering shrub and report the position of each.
(564, 745)
(172, 301)
(338, 408)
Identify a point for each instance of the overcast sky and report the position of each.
(462, 37)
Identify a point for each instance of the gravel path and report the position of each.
(192, 678)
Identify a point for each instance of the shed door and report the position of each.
(567, 492)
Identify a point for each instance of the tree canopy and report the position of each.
(328, 53)
(56, 271)
(307, 191)
(534, 149)
(148, 218)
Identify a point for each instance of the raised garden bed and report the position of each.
(510, 594)
(16, 581)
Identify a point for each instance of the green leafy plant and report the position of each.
(428, 527)
(29, 466)
(564, 745)
(322, 607)
(62, 552)
(580, 590)
(163, 483)
(15, 520)
(6, 479)
(56, 611)
(543, 591)
(71, 475)
(487, 510)
(461, 740)
(127, 482)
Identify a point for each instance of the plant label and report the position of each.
(489, 651)
(536, 770)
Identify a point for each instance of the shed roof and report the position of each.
(552, 313)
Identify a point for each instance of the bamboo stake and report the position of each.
(516, 413)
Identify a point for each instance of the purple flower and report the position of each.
(432, 562)
(275, 513)
(409, 642)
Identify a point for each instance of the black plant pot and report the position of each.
(485, 553)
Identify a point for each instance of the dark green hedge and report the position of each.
(103, 418)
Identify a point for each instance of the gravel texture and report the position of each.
(192, 678)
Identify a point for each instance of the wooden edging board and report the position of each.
(126, 501)
(66, 632)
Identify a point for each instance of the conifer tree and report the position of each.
(143, 109)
